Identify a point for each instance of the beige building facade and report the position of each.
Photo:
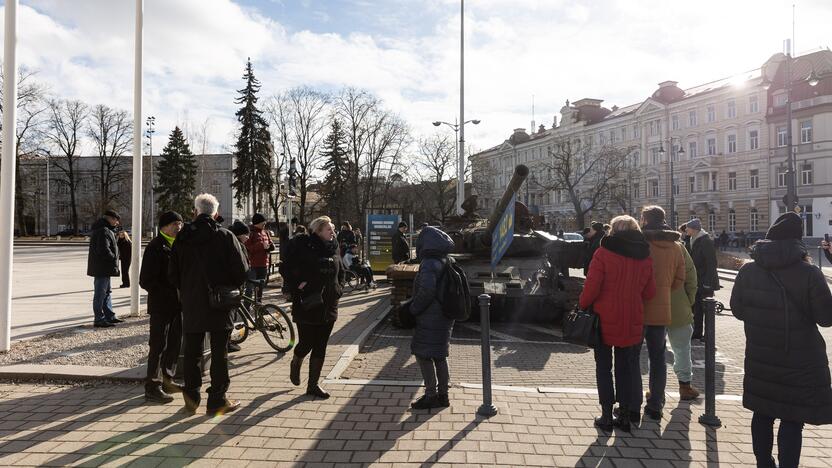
(731, 172)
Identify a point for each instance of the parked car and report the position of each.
(573, 237)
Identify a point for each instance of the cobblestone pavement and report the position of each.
(534, 355)
(110, 424)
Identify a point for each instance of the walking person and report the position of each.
(592, 242)
(102, 264)
(669, 275)
(165, 310)
(703, 253)
(401, 248)
(782, 299)
(259, 246)
(432, 337)
(681, 328)
(125, 254)
(620, 279)
(206, 257)
(311, 274)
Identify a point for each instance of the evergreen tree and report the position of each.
(338, 169)
(177, 176)
(252, 153)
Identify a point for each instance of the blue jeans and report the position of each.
(656, 346)
(102, 300)
(254, 274)
(679, 338)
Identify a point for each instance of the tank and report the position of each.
(531, 282)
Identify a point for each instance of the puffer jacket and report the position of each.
(432, 336)
(311, 260)
(682, 299)
(620, 279)
(668, 272)
(102, 259)
(781, 300)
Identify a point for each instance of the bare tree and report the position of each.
(584, 172)
(65, 126)
(435, 165)
(111, 132)
(300, 117)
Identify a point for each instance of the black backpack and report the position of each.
(452, 291)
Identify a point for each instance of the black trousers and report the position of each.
(789, 441)
(219, 366)
(125, 271)
(313, 338)
(699, 313)
(627, 389)
(165, 342)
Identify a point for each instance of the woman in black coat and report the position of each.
(782, 298)
(310, 273)
(125, 254)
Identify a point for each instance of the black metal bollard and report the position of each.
(487, 408)
(710, 418)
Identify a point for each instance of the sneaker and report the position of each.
(103, 324)
(233, 347)
(426, 402)
(115, 320)
(226, 407)
(157, 395)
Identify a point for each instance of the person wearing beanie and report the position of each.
(102, 264)
(165, 310)
(782, 299)
(259, 246)
(401, 248)
(703, 253)
(592, 242)
(239, 229)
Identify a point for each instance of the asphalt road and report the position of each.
(51, 290)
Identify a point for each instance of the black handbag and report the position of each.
(311, 302)
(224, 298)
(582, 327)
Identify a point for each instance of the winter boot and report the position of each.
(623, 420)
(605, 422)
(294, 369)
(312, 387)
(687, 391)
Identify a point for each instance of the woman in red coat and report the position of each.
(620, 279)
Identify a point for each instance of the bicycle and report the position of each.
(269, 319)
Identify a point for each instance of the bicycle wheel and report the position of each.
(240, 331)
(276, 327)
(352, 280)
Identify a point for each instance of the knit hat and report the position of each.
(239, 228)
(597, 226)
(695, 224)
(402, 224)
(112, 214)
(169, 217)
(787, 226)
(257, 218)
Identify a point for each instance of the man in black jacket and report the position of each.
(102, 264)
(206, 254)
(165, 311)
(401, 249)
(703, 253)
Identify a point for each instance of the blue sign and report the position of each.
(503, 234)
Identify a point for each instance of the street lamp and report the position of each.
(151, 129)
(672, 177)
(790, 199)
(290, 192)
(460, 150)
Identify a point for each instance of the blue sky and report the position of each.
(404, 51)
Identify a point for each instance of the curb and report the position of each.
(72, 372)
(352, 349)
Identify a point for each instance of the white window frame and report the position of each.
(782, 136)
(731, 143)
(712, 149)
(754, 178)
(781, 176)
(731, 109)
(711, 221)
(807, 176)
(674, 119)
(806, 131)
(654, 188)
(753, 139)
(753, 220)
(753, 104)
(711, 112)
(692, 153)
(732, 221)
(692, 118)
(732, 181)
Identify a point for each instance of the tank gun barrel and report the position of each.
(520, 174)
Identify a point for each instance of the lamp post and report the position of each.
(790, 199)
(151, 129)
(672, 176)
(289, 194)
(460, 151)
(48, 219)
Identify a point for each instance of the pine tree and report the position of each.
(252, 154)
(338, 169)
(177, 176)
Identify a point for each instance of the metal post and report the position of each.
(791, 181)
(672, 187)
(137, 160)
(487, 408)
(710, 418)
(48, 219)
(7, 171)
(460, 173)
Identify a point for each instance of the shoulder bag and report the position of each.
(582, 327)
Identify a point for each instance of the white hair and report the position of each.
(318, 223)
(205, 203)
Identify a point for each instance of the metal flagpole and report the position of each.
(460, 172)
(7, 171)
(137, 160)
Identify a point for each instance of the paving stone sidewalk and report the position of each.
(361, 425)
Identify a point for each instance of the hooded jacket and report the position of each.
(205, 253)
(102, 259)
(620, 279)
(682, 299)
(668, 272)
(703, 253)
(400, 248)
(432, 336)
(781, 300)
(309, 259)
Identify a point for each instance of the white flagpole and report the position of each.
(7, 171)
(137, 161)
